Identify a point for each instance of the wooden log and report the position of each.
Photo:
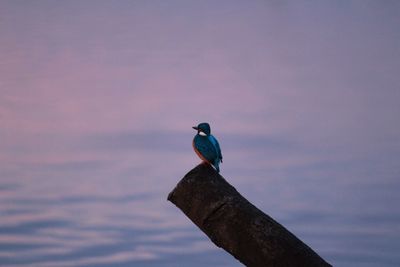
(237, 226)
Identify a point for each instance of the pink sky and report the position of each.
(321, 75)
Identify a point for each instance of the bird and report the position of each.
(206, 145)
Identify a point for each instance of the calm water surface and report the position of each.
(113, 212)
(97, 101)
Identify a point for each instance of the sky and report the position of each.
(293, 90)
(321, 76)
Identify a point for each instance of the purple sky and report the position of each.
(291, 88)
(323, 76)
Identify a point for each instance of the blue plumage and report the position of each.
(206, 145)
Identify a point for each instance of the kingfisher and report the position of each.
(206, 145)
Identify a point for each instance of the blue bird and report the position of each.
(206, 146)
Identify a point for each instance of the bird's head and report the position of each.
(203, 129)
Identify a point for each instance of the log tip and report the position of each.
(201, 170)
(170, 196)
(234, 224)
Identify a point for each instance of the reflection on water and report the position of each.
(97, 100)
(85, 218)
(97, 230)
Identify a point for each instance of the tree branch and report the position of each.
(237, 226)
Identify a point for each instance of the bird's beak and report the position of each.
(195, 127)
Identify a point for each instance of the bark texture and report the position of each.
(237, 226)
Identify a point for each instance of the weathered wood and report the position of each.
(237, 226)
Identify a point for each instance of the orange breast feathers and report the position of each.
(199, 154)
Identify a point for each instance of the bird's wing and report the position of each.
(216, 145)
(206, 148)
(218, 148)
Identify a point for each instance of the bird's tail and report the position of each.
(216, 165)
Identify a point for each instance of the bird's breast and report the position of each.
(198, 152)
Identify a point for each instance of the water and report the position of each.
(113, 212)
(97, 101)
